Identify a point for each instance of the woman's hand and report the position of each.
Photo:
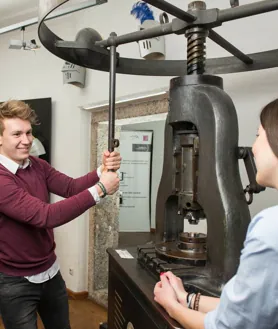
(178, 287)
(165, 295)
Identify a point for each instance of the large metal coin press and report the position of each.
(200, 179)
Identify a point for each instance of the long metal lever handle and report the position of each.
(112, 142)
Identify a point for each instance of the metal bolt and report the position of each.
(197, 5)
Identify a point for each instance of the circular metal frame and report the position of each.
(97, 56)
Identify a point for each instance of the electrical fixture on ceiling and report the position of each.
(22, 44)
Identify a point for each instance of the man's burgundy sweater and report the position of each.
(27, 219)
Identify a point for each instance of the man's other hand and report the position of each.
(111, 182)
(110, 161)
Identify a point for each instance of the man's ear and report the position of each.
(1, 138)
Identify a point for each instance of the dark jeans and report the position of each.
(21, 300)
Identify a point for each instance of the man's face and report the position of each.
(16, 140)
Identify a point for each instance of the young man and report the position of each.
(30, 280)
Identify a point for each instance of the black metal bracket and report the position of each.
(246, 154)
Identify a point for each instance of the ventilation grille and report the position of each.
(119, 320)
(147, 44)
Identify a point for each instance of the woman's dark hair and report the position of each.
(269, 121)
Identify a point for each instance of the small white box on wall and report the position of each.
(74, 74)
(154, 48)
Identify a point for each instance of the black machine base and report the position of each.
(195, 278)
(131, 302)
(130, 291)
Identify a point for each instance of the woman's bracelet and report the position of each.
(196, 302)
(102, 187)
(189, 299)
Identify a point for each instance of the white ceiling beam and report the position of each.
(54, 14)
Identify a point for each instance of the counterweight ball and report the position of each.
(88, 35)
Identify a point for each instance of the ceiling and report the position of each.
(16, 11)
(7, 6)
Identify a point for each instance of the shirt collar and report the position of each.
(11, 165)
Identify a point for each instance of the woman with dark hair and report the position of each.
(250, 299)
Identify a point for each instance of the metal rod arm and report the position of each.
(172, 10)
(156, 31)
(255, 8)
(112, 96)
(229, 47)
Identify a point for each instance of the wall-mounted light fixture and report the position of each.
(74, 74)
(22, 44)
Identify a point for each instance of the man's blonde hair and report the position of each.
(16, 109)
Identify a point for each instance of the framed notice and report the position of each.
(136, 153)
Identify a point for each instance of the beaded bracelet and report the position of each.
(102, 187)
(196, 302)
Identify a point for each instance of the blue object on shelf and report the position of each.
(142, 11)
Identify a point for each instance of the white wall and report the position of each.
(33, 75)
